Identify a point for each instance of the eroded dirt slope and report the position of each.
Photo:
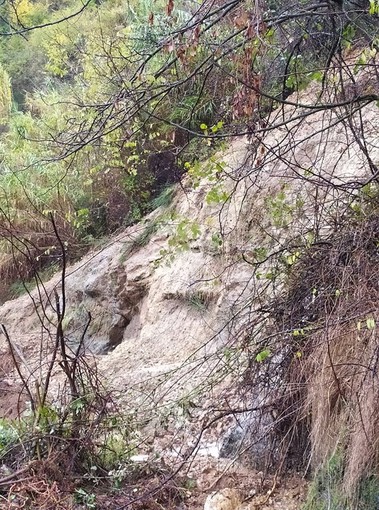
(160, 305)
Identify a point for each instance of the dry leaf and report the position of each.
(181, 54)
(169, 7)
(241, 20)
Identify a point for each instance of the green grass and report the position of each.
(165, 198)
(147, 233)
(143, 238)
(198, 301)
(368, 493)
(325, 492)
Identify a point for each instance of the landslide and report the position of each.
(250, 304)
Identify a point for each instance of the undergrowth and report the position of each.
(164, 199)
(20, 287)
(331, 392)
(327, 490)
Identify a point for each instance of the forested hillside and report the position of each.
(234, 145)
(105, 103)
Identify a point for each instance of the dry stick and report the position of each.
(10, 478)
(60, 339)
(80, 345)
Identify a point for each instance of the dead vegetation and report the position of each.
(329, 318)
(28, 245)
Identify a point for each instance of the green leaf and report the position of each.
(317, 76)
(261, 356)
(370, 323)
(195, 230)
(291, 259)
(374, 7)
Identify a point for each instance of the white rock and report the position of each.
(224, 499)
(139, 458)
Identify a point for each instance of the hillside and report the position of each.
(188, 255)
(222, 332)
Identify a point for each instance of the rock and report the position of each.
(253, 435)
(224, 499)
(116, 332)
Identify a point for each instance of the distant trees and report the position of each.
(174, 67)
(5, 98)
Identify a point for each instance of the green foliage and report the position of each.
(217, 242)
(293, 257)
(90, 108)
(164, 199)
(87, 499)
(183, 233)
(27, 13)
(217, 195)
(263, 355)
(144, 237)
(198, 300)
(210, 170)
(20, 287)
(327, 493)
(54, 73)
(374, 7)
(186, 231)
(280, 209)
(368, 493)
(326, 489)
(116, 448)
(8, 434)
(5, 97)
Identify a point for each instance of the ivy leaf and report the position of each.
(195, 230)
